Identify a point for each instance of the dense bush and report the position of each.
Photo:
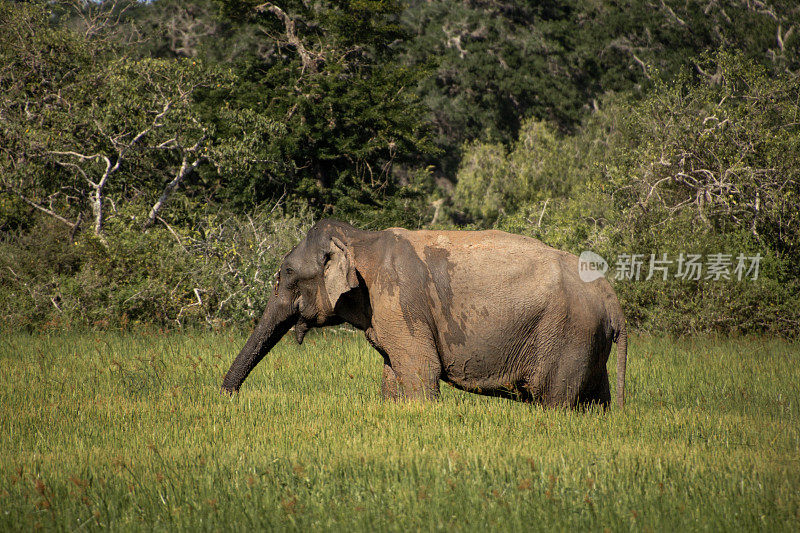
(214, 271)
(495, 181)
(124, 178)
(701, 166)
(497, 63)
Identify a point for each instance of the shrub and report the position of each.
(216, 271)
(494, 181)
(705, 166)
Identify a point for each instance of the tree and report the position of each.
(724, 151)
(495, 181)
(702, 165)
(87, 127)
(495, 63)
(353, 123)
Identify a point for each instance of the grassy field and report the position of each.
(128, 431)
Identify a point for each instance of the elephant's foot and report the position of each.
(408, 387)
(390, 388)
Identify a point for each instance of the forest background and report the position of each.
(158, 159)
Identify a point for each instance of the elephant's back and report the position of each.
(503, 262)
(483, 278)
(499, 301)
(493, 244)
(519, 273)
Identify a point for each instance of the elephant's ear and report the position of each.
(340, 271)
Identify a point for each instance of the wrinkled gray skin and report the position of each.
(485, 311)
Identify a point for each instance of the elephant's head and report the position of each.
(310, 282)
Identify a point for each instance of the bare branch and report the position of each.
(75, 228)
(539, 224)
(173, 232)
(42, 208)
(167, 143)
(154, 125)
(783, 36)
(185, 168)
(80, 156)
(309, 62)
(641, 64)
(672, 14)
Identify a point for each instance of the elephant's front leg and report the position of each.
(416, 376)
(412, 385)
(411, 363)
(390, 388)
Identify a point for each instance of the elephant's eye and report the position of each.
(289, 271)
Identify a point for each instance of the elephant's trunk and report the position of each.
(277, 319)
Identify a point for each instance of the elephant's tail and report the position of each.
(622, 361)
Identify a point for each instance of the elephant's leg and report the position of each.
(595, 389)
(409, 386)
(390, 388)
(418, 382)
(579, 381)
(561, 375)
(411, 361)
(415, 369)
(390, 385)
(411, 367)
(602, 390)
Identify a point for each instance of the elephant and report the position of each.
(487, 312)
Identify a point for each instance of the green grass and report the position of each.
(128, 431)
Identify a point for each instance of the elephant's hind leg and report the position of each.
(596, 391)
(566, 377)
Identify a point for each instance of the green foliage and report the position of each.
(13, 213)
(128, 431)
(89, 128)
(132, 125)
(152, 153)
(496, 63)
(493, 181)
(352, 120)
(727, 151)
(213, 269)
(170, 29)
(716, 169)
(708, 166)
(37, 66)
